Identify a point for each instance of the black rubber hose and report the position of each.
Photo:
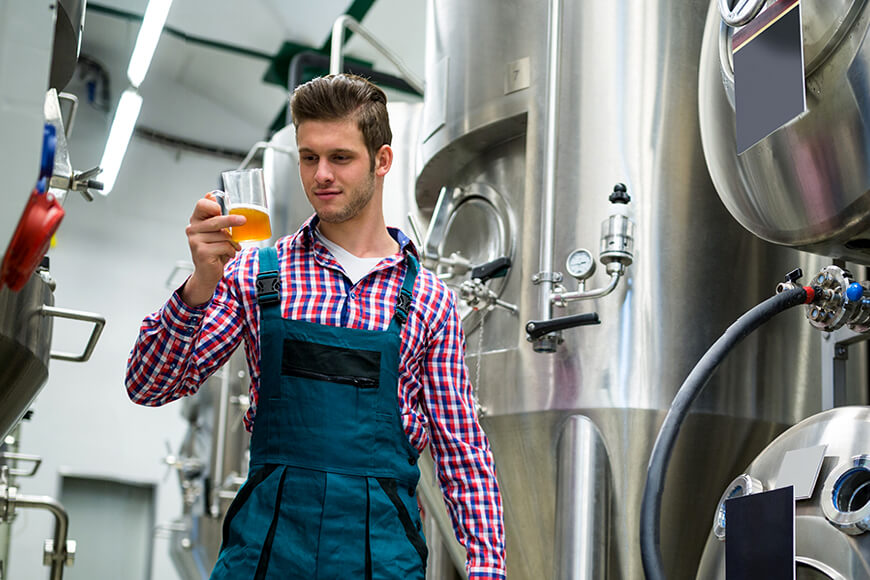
(650, 514)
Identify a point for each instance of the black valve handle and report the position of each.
(493, 269)
(538, 328)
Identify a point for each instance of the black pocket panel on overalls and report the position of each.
(310, 360)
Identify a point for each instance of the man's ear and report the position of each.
(383, 160)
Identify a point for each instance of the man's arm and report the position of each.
(194, 333)
(180, 346)
(463, 460)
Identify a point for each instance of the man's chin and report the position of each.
(331, 217)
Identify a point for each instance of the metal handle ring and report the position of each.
(743, 11)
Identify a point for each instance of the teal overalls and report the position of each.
(331, 491)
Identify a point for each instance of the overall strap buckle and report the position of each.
(268, 288)
(403, 306)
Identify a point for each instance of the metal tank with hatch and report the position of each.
(534, 115)
(807, 184)
(831, 539)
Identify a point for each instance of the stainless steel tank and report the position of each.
(806, 185)
(25, 344)
(532, 113)
(830, 526)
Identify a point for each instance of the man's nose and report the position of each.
(324, 172)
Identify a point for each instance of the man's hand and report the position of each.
(210, 247)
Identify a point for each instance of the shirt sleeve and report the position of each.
(463, 459)
(180, 346)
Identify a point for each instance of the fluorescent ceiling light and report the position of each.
(146, 42)
(119, 137)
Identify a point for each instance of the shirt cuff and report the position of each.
(486, 574)
(181, 320)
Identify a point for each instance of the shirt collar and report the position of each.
(310, 240)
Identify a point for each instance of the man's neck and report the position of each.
(362, 239)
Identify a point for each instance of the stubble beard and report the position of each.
(357, 199)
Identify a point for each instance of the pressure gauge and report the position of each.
(580, 264)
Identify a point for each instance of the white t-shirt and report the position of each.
(355, 267)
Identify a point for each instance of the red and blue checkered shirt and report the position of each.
(179, 347)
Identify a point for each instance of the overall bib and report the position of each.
(331, 491)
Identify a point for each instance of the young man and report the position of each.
(356, 363)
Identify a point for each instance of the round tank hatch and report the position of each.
(475, 223)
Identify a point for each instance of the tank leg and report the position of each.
(582, 502)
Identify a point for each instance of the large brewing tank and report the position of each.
(572, 430)
(830, 526)
(807, 184)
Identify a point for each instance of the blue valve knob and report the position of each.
(49, 146)
(854, 292)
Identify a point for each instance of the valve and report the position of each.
(538, 328)
(837, 300)
(477, 294)
(616, 253)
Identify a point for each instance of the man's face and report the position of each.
(335, 168)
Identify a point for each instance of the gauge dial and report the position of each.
(580, 264)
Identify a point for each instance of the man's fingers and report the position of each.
(215, 223)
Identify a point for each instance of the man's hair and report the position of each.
(343, 96)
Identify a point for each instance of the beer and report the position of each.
(256, 228)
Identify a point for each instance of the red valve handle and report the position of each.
(39, 221)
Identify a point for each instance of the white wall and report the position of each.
(112, 257)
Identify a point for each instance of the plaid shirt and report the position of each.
(179, 347)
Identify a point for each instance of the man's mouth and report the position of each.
(326, 193)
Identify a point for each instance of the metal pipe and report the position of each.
(336, 54)
(262, 146)
(561, 298)
(550, 161)
(582, 502)
(310, 58)
(61, 526)
(220, 443)
(431, 498)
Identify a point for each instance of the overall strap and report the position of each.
(268, 281)
(403, 304)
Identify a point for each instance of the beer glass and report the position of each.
(245, 194)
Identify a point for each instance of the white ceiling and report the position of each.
(217, 96)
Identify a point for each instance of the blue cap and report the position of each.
(854, 292)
